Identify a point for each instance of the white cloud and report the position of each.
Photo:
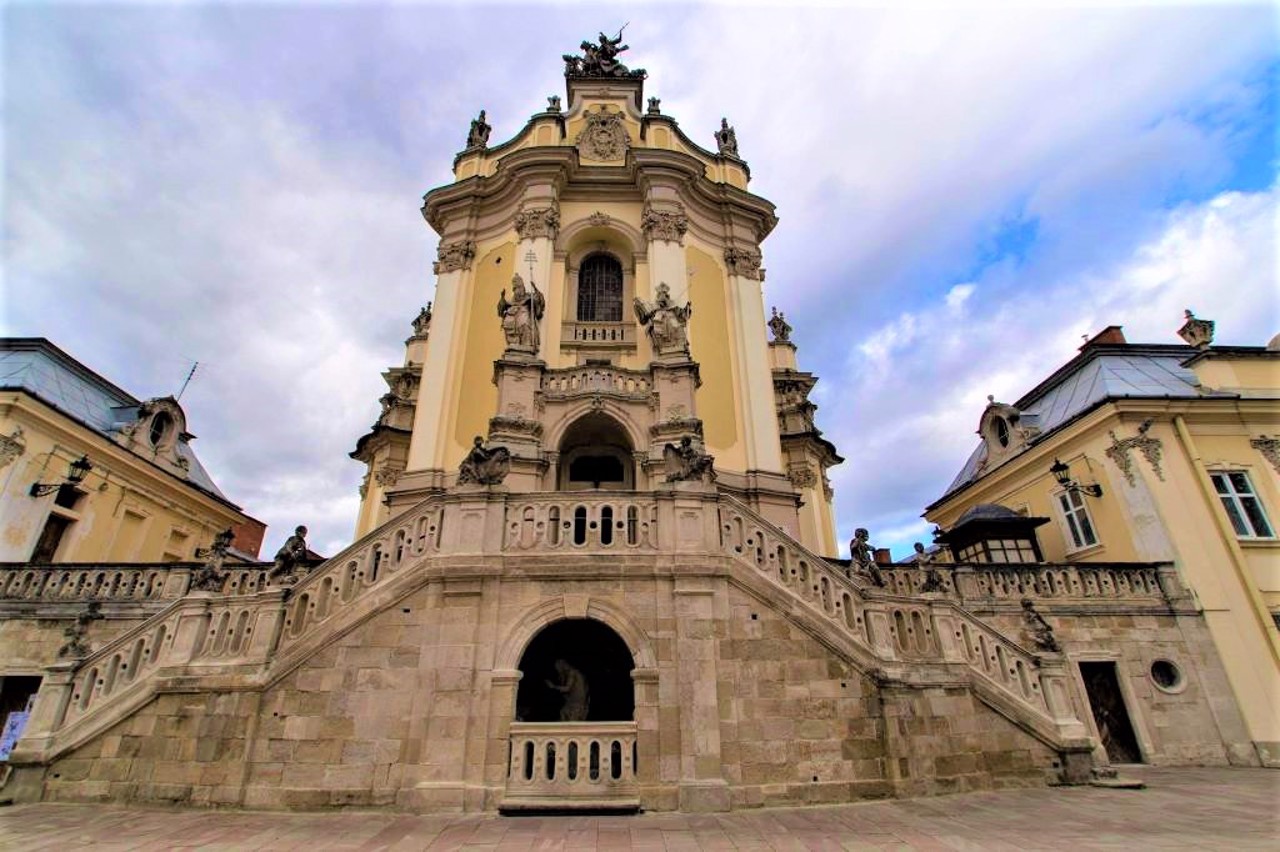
(1217, 257)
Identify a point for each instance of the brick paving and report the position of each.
(1193, 808)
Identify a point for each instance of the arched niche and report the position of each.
(585, 246)
(595, 660)
(595, 452)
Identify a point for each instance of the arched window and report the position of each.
(600, 289)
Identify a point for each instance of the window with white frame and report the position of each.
(1076, 516)
(1241, 504)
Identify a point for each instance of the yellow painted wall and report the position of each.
(717, 399)
(129, 511)
(475, 398)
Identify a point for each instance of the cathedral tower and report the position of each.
(639, 332)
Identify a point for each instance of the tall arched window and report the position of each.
(600, 289)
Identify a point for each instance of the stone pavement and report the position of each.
(1191, 808)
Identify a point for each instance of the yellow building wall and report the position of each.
(717, 399)
(473, 397)
(129, 510)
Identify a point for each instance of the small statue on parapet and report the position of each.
(484, 466)
(422, 322)
(600, 59)
(926, 562)
(210, 576)
(687, 462)
(863, 556)
(665, 323)
(1039, 630)
(76, 647)
(727, 140)
(478, 135)
(780, 327)
(291, 557)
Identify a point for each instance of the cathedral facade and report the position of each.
(596, 563)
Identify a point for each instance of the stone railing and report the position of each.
(573, 381)
(201, 633)
(1092, 582)
(1029, 687)
(337, 587)
(59, 583)
(572, 765)
(594, 334)
(564, 522)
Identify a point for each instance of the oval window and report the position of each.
(161, 424)
(1167, 676)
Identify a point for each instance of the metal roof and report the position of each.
(46, 372)
(1097, 374)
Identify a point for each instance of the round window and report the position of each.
(1167, 676)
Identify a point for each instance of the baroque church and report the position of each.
(596, 562)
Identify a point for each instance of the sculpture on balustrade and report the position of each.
(664, 322)
(1039, 630)
(926, 562)
(688, 462)
(520, 315)
(291, 557)
(863, 556)
(484, 466)
(573, 686)
(210, 577)
(76, 647)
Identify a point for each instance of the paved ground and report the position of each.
(1221, 809)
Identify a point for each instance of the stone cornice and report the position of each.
(469, 199)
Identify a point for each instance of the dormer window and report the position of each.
(161, 426)
(1002, 431)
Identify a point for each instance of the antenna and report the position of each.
(194, 365)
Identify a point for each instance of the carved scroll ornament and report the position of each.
(454, 256)
(537, 222)
(744, 262)
(667, 225)
(1150, 448)
(1268, 447)
(11, 446)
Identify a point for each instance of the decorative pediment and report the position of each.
(157, 431)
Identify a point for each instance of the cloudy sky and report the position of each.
(963, 193)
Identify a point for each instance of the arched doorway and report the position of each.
(595, 452)
(592, 681)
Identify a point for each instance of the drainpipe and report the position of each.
(1227, 536)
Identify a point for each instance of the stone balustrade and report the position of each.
(565, 522)
(572, 765)
(59, 583)
(895, 630)
(341, 583)
(1086, 581)
(573, 381)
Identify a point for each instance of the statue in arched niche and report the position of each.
(666, 323)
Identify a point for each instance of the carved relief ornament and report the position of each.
(11, 446)
(604, 137)
(454, 256)
(388, 474)
(1150, 448)
(802, 477)
(1268, 447)
(535, 222)
(744, 262)
(666, 225)
(598, 218)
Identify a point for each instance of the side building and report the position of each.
(102, 498)
(1154, 453)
